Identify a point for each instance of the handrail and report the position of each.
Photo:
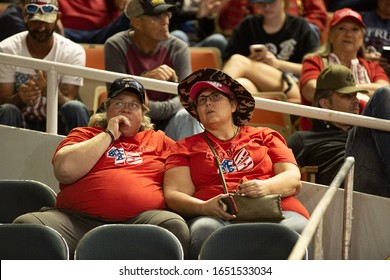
(303, 242)
(53, 68)
(169, 87)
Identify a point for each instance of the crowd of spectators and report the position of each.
(266, 45)
(326, 54)
(260, 41)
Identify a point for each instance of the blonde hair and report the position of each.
(98, 120)
(326, 48)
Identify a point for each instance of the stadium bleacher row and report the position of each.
(122, 241)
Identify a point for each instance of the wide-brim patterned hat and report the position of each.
(245, 101)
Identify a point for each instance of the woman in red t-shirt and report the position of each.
(255, 161)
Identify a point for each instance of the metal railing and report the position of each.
(53, 68)
(345, 175)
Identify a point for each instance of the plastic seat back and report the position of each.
(281, 122)
(205, 57)
(31, 242)
(18, 197)
(255, 241)
(129, 242)
(94, 55)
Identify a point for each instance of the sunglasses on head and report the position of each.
(46, 9)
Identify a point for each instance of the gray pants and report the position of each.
(73, 225)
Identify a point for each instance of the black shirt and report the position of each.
(324, 146)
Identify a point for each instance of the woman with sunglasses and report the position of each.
(255, 161)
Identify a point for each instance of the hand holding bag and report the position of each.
(249, 209)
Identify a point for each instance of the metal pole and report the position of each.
(52, 102)
(347, 217)
(318, 213)
(318, 253)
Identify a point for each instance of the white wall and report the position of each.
(26, 154)
(370, 238)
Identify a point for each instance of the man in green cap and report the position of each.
(324, 145)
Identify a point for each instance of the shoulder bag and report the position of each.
(249, 209)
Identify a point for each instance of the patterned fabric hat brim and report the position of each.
(245, 101)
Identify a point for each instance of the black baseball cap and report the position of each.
(127, 84)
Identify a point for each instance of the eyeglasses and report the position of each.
(133, 106)
(214, 97)
(46, 9)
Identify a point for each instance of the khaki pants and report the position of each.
(73, 225)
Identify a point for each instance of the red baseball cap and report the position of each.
(199, 86)
(342, 14)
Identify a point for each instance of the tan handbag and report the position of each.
(249, 209)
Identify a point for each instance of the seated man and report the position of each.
(370, 148)
(148, 50)
(93, 22)
(23, 91)
(324, 145)
(12, 21)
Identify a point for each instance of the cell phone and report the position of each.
(386, 53)
(256, 48)
(230, 204)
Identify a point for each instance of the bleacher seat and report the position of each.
(129, 242)
(31, 242)
(94, 54)
(205, 57)
(281, 122)
(252, 241)
(18, 197)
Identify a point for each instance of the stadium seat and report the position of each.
(254, 241)
(129, 242)
(18, 197)
(94, 55)
(205, 57)
(31, 242)
(281, 122)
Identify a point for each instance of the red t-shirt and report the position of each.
(127, 179)
(87, 14)
(252, 153)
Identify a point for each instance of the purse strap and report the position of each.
(217, 162)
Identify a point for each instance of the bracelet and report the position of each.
(109, 132)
